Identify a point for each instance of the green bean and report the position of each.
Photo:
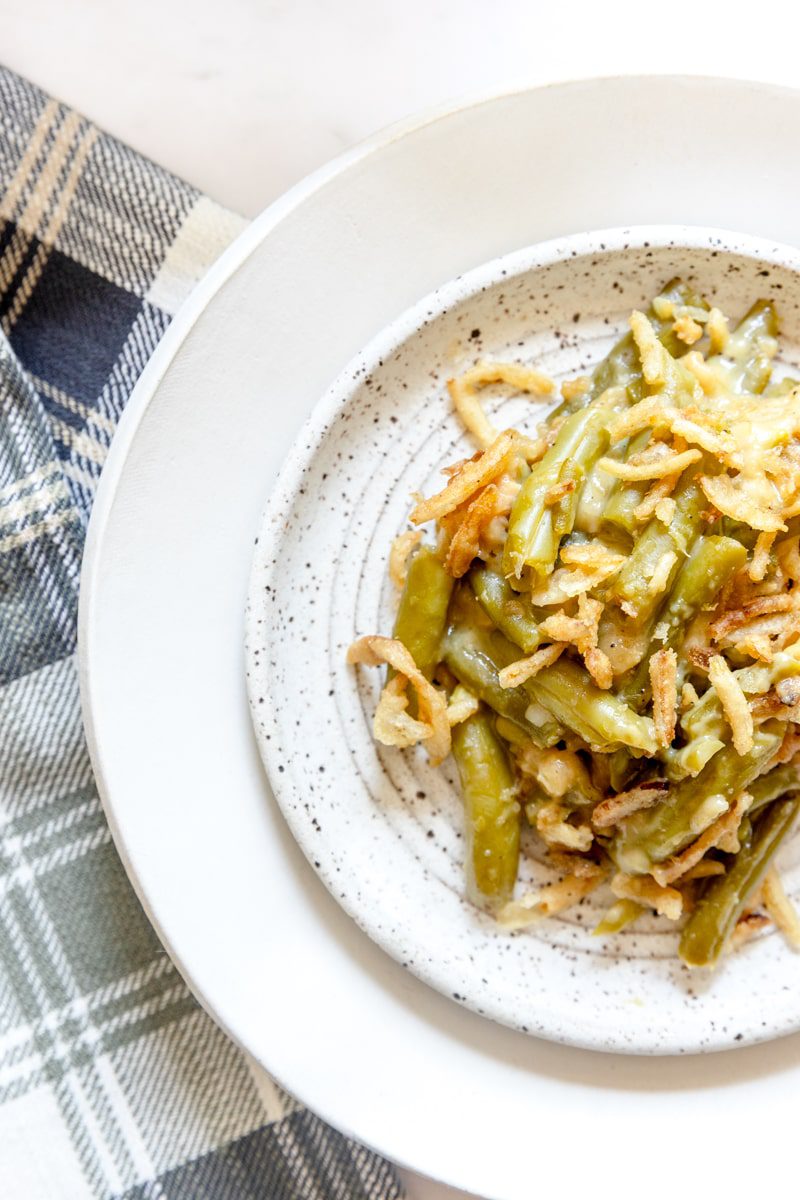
(712, 562)
(773, 784)
(513, 734)
(747, 359)
(532, 539)
(691, 758)
(422, 615)
(600, 718)
(475, 656)
(652, 835)
(596, 494)
(617, 917)
(621, 769)
(510, 611)
(491, 809)
(725, 897)
(631, 588)
(626, 496)
(565, 510)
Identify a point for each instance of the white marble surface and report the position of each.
(244, 97)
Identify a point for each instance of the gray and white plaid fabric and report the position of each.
(113, 1082)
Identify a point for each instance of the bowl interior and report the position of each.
(380, 826)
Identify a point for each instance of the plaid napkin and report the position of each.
(113, 1082)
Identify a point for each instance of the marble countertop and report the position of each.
(245, 97)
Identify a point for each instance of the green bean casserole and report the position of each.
(604, 630)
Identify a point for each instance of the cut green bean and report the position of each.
(510, 611)
(491, 809)
(422, 615)
(572, 474)
(476, 656)
(725, 897)
(775, 783)
(532, 540)
(746, 361)
(622, 767)
(712, 562)
(632, 587)
(652, 835)
(603, 720)
(617, 917)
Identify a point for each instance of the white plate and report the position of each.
(257, 936)
(382, 828)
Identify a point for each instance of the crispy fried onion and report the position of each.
(717, 330)
(788, 748)
(525, 668)
(549, 900)
(787, 552)
(462, 391)
(571, 389)
(582, 631)
(613, 810)
(555, 494)
(585, 567)
(753, 501)
(661, 572)
(666, 901)
(766, 636)
(665, 508)
(687, 329)
(664, 682)
(757, 646)
(557, 772)
(462, 704)
(574, 864)
(781, 701)
(657, 462)
(705, 869)
(735, 618)
(555, 829)
(651, 352)
(466, 541)
(658, 496)
(391, 726)
(780, 908)
(747, 927)
(760, 560)
(734, 703)
(470, 477)
(722, 834)
(399, 554)
(592, 556)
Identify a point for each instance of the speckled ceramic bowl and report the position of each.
(380, 826)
